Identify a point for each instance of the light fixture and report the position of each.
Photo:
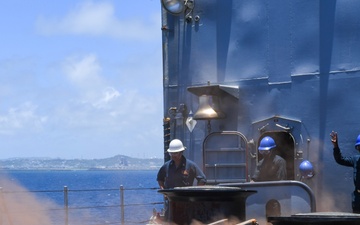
(173, 6)
(209, 100)
(208, 108)
(177, 7)
(306, 169)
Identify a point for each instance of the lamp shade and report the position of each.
(173, 6)
(208, 108)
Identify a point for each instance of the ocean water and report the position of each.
(93, 197)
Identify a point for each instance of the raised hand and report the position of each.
(334, 138)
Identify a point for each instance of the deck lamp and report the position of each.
(208, 108)
(176, 7)
(209, 101)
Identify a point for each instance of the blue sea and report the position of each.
(93, 197)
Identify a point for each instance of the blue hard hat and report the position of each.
(357, 141)
(306, 169)
(267, 143)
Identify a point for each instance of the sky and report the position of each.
(80, 79)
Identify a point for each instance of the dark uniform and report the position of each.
(351, 161)
(270, 168)
(182, 176)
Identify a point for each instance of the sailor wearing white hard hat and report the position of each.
(179, 171)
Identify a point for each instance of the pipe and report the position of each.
(167, 132)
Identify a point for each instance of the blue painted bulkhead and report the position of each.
(295, 68)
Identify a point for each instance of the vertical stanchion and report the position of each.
(66, 205)
(2, 211)
(122, 204)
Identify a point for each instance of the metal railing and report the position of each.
(98, 206)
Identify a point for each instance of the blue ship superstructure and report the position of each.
(235, 71)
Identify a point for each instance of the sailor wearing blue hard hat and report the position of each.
(272, 166)
(349, 161)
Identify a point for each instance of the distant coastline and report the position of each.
(118, 162)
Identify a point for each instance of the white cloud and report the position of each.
(23, 117)
(98, 19)
(109, 94)
(94, 101)
(83, 71)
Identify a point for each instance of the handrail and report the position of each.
(68, 208)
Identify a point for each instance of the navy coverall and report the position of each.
(271, 168)
(182, 176)
(351, 161)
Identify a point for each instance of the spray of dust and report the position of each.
(21, 208)
(224, 221)
(18, 206)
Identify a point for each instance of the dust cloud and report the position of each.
(20, 207)
(225, 221)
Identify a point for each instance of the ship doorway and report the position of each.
(285, 147)
(225, 157)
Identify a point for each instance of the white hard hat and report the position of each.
(176, 146)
